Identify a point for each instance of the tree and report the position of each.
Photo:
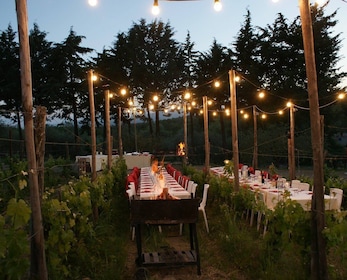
(68, 68)
(10, 89)
(40, 51)
(246, 51)
(153, 64)
(212, 66)
(189, 75)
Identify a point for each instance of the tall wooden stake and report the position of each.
(120, 142)
(108, 129)
(234, 132)
(185, 132)
(207, 142)
(40, 143)
(255, 137)
(318, 245)
(92, 122)
(292, 145)
(38, 268)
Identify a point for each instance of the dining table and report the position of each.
(273, 195)
(151, 186)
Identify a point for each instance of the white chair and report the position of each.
(192, 188)
(203, 205)
(295, 183)
(338, 194)
(304, 186)
(131, 195)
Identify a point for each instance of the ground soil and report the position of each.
(175, 241)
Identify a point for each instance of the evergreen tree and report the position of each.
(40, 50)
(69, 71)
(213, 66)
(10, 84)
(153, 64)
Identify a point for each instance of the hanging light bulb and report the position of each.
(155, 8)
(93, 3)
(217, 5)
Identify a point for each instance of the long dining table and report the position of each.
(150, 187)
(273, 195)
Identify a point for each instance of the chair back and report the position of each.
(304, 186)
(193, 191)
(204, 196)
(338, 194)
(131, 191)
(190, 185)
(295, 183)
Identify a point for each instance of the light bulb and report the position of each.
(155, 8)
(93, 3)
(217, 5)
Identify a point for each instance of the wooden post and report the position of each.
(185, 158)
(292, 145)
(92, 122)
(38, 268)
(318, 244)
(108, 129)
(235, 141)
(255, 137)
(40, 141)
(207, 142)
(120, 131)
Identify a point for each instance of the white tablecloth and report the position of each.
(130, 160)
(272, 196)
(150, 188)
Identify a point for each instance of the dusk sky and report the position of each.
(101, 24)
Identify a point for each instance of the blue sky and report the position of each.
(102, 23)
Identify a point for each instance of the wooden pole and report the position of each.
(108, 129)
(185, 158)
(92, 122)
(120, 131)
(135, 131)
(207, 142)
(292, 145)
(318, 244)
(40, 141)
(38, 268)
(235, 142)
(255, 137)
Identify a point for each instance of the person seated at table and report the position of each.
(154, 166)
(154, 170)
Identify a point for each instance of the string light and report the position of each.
(155, 8)
(155, 98)
(93, 3)
(217, 84)
(217, 5)
(261, 95)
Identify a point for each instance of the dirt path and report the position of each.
(208, 271)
